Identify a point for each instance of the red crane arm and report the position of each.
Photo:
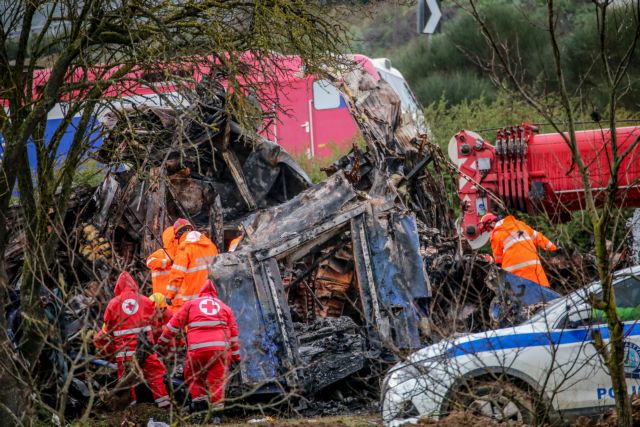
(533, 173)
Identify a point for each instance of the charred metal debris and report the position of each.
(326, 278)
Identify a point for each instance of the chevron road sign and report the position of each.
(428, 16)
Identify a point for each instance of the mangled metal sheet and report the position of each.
(401, 285)
(325, 276)
(261, 317)
(281, 223)
(200, 158)
(386, 272)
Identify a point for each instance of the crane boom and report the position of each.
(534, 173)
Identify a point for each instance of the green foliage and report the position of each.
(445, 121)
(583, 63)
(447, 64)
(313, 166)
(455, 87)
(90, 173)
(448, 61)
(486, 117)
(379, 29)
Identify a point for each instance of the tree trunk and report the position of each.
(13, 393)
(614, 355)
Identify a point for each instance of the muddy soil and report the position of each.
(139, 415)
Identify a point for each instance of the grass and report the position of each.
(139, 415)
(313, 166)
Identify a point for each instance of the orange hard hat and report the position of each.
(180, 224)
(486, 221)
(488, 218)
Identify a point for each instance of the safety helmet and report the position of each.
(180, 224)
(158, 299)
(487, 220)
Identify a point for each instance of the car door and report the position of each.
(574, 360)
(586, 387)
(627, 292)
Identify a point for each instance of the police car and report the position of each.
(547, 362)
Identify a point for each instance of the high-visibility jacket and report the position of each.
(159, 262)
(190, 268)
(514, 246)
(210, 324)
(127, 314)
(233, 245)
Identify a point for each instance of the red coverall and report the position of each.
(128, 314)
(212, 335)
(159, 319)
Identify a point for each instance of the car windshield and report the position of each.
(549, 310)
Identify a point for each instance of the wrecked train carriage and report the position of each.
(209, 172)
(287, 246)
(321, 281)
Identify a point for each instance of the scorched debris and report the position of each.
(325, 278)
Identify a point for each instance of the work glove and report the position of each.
(167, 301)
(559, 250)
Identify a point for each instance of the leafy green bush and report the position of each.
(90, 173)
(313, 166)
(453, 87)
(446, 64)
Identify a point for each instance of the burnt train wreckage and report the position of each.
(325, 277)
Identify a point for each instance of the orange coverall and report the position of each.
(190, 268)
(159, 262)
(514, 246)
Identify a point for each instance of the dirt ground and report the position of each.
(140, 415)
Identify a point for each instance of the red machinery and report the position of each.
(533, 173)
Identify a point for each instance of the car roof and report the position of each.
(629, 271)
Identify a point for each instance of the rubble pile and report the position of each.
(326, 277)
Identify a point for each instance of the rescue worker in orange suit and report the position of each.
(159, 262)
(212, 335)
(514, 247)
(127, 315)
(190, 267)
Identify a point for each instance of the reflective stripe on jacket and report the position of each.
(514, 246)
(190, 267)
(210, 323)
(127, 314)
(159, 262)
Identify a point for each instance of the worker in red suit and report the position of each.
(190, 266)
(127, 315)
(159, 262)
(212, 337)
(514, 245)
(160, 317)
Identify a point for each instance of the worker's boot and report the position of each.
(199, 406)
